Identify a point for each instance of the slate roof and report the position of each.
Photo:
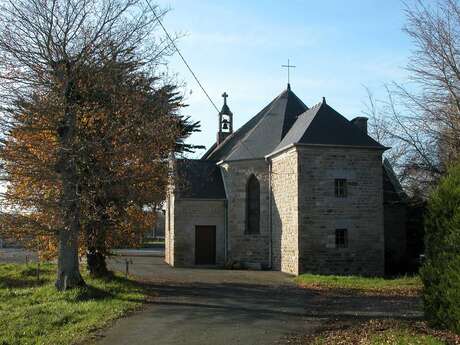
(285, 121)
(261, 134)
(322, 125)
(199, 179)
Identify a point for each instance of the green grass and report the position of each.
(33, 312)
(395, 286)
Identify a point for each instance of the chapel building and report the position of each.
(295, 189)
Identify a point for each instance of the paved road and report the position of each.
(200, 307)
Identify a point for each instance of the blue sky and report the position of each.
(239, 46)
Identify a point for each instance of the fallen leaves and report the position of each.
(373, 332)
(377, 291)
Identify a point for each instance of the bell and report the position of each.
(225, 124)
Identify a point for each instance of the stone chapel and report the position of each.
(295, 189)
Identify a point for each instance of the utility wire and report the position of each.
(181, 56)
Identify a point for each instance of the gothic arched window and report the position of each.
(252, 206)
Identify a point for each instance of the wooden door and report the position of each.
(205, 245)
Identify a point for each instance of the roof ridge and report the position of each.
(317, 105)
(311, 110)
(187, 159)
(228, 139)
(270, 107)
(242, 127)
(317, 126)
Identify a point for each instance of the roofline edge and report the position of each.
(281, 150)
(239, 160)
(205, 199)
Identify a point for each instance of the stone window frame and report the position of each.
(341, 187)
(341, 238)
(250, 230)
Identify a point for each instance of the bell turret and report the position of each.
(225, 121)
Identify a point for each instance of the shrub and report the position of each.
(441, 271)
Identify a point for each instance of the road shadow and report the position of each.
(197, 306)
(261, 301)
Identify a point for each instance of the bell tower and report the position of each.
(225, 121)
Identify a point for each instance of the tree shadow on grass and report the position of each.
(26, 278)
(92, 293)
(130, 284)
(115, 287)
(18, 283)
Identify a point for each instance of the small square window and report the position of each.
(341, 238)
(340, 187)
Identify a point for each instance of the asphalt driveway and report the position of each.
(209, 306)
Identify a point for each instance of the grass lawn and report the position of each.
(33, 312)
(405, 286)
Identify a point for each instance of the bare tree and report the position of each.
(44, 46)
(422, 117)
(382, 129)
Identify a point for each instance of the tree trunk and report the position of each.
(96, 233)
(97, 265)
(96, 245)
(68, 275)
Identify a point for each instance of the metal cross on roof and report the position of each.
(225, 95)
(288, 66)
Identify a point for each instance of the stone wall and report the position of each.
(304, 214)
(242, 247)
(186, 215)
(321, 212)
(285, 212)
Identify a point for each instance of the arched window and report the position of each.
(253, 206)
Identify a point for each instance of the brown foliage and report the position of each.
(126, 127)
(70, 73)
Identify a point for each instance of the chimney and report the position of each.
(361, 123)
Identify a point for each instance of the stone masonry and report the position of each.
(306, 211)
(304, 214)
(243, 247)
(285, 212)
(321, 212)
(180, 229)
